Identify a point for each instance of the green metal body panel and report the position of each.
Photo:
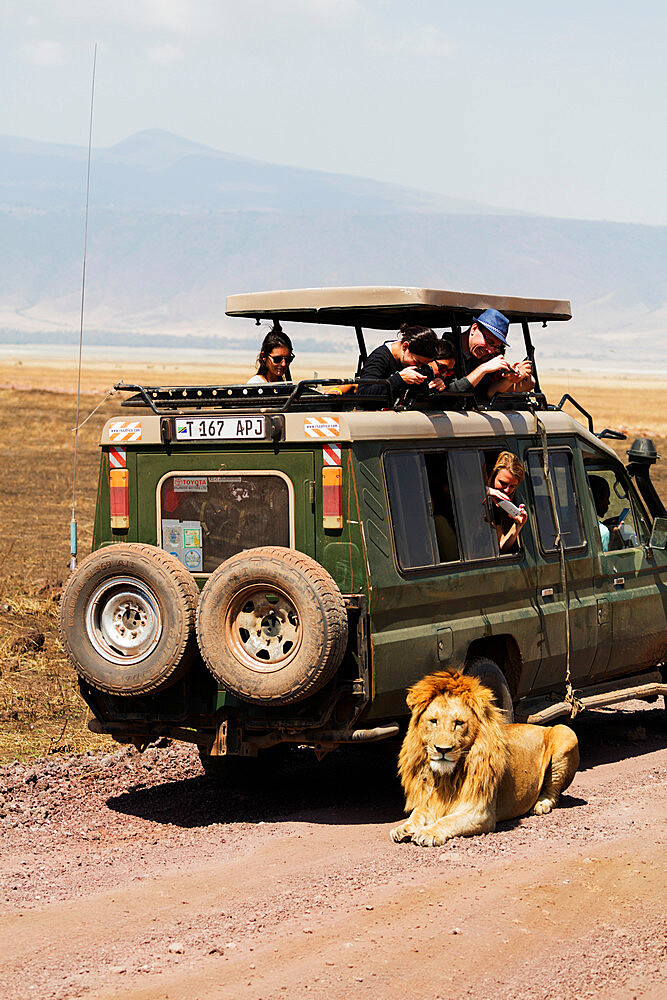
(410, 610)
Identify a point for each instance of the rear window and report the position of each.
(208, 517)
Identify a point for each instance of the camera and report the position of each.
(509, 507)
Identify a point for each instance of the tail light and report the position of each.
(119, 498)
(332, 497)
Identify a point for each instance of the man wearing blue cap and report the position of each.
(486, 369)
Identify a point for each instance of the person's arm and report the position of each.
(490, 367)
(377, 366)
(519, 379)
(508, 538)
(459, 385)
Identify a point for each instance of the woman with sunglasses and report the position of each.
(274, 358)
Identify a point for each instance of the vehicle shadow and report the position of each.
(607, 735)
(357, 785)
(347, 787)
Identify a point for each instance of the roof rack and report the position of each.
(281, 397)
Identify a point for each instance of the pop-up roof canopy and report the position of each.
(385, 307)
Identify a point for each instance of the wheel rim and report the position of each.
(123, 620)
(262, 628)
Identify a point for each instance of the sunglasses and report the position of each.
(278, 359)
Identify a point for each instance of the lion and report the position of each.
(463, 770)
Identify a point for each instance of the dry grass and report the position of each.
(632, 405)
(41, 711)
(40, 708)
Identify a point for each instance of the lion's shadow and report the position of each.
(565, 801)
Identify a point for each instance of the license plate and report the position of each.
(220, 428)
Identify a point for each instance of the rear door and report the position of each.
(210, 505)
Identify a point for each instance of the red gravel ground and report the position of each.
(128, 876)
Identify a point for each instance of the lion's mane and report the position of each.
(478, 773)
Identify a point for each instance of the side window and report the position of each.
(410, 506)
(560, 466)
(621, 519)
(442, 507)
(208, 518)
(478, 536)
(439, 508)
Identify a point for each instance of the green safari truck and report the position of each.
(268, 566)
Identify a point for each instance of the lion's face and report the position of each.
(447, 729)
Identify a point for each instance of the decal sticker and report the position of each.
(117, 458)
(321, 427)
(184, 540)
(191, 538)
(172, 536)
(193, 560)
(331, 454)
(190, 484)
(125, 430)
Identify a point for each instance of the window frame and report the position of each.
(458, 564)
(552, 553)
(600, 463)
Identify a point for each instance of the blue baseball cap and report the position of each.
(495, 323)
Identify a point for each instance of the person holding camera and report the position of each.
(507, 518)
(486, 370)
(399, 361)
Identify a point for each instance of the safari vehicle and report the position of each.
(266, 567)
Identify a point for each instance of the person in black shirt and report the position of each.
(397, 361)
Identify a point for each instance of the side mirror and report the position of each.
(659, 534)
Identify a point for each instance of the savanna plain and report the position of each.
(134, 876)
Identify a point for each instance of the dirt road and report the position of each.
(135, 877)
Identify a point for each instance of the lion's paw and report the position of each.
(401, 833)
(426, 838)
(545, 806)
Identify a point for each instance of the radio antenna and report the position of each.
(72, 526)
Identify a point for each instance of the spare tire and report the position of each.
(127, 619)
(272, 625)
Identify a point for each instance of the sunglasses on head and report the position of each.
(278, 359)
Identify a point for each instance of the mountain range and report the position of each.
(175, 226)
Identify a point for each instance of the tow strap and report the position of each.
(570, 697)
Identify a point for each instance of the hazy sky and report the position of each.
(555, 108)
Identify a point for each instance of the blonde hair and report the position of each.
(508, 460)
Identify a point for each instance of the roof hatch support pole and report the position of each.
(362, 350)
(530, 351)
